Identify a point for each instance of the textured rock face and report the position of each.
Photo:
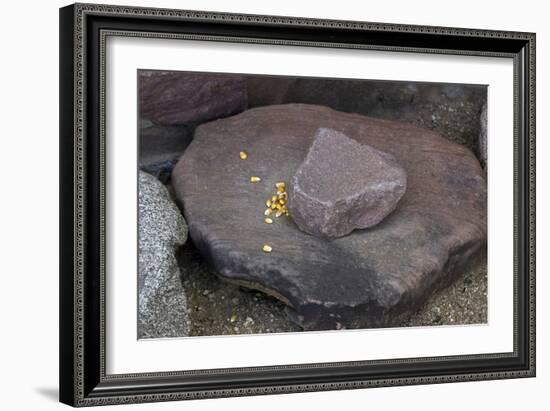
(161, 146)
(365, 279)
(172, 98)
(483, 136)
(162, 229)
(453, 110)
(343, 185)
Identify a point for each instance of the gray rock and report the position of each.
(483, 136)
(365, 279)
(175, 98)
(343, 185)
(162, 229)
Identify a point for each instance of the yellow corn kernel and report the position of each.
(268, 211)
(267, 248)
(268, 203)
(243, 155)
(255, 179)
(278, 213)
(273, 206)
(282, 201)
(268, 220)
(280, 184)
(274, 198)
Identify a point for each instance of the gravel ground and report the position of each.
(216, 307)
(464, 302)
(220, 308)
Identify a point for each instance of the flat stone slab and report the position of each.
(343, 185)
(162, 308)
(366, 279)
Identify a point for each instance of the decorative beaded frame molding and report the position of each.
(84, 29)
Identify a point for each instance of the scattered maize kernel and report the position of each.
(254, 179)
(243, 155)
(267, 248)
(277, 204)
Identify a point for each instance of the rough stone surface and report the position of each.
(217, 307)
(451, 109)
(162, 229)
(366, 279)
(343, 185)
(160, 147)
(483, 136)
(158, 142)
(188, 98)
(172, 98)
(161, 170)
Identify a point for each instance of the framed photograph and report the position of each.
(261, 204)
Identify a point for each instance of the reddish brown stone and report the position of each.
(364, 279)
(343, 185)
(173, 98)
